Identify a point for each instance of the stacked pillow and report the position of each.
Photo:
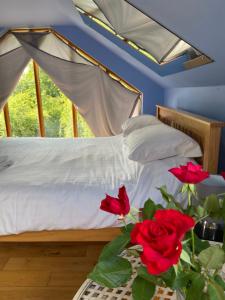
(138, 122)
(147, 139)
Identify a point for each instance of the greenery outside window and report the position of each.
(60, 116)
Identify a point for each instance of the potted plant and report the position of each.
(171, 254)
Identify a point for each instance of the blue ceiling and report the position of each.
(200, 23)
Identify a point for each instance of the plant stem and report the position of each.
(123, 221)
(199, 220)
(193, 242)
(189, 192)
(189, 198)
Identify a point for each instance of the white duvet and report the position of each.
(59, 183)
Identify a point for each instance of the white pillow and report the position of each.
(158, 142)
(138, 122)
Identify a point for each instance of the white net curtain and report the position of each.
(101, 100)
(133, 25)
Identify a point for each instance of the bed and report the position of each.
(38, 194)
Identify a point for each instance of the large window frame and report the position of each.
(81, 52)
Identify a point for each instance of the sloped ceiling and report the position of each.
(22, 13)
(200, 23)
(59, 13)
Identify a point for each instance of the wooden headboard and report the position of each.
(205, 131)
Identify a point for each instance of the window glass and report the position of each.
(23, 106)
(2, 125)
(57, 110)
(83, 128)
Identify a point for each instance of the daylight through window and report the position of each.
(59, 116)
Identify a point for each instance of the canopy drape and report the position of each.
(135, 26)
(13, 60)
(102, 101)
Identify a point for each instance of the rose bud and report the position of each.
(118, 206)
(223, 175)
(191, 174)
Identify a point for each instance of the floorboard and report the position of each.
(45, 271)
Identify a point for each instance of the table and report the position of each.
(92, 291)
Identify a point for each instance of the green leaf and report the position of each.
(223, 217)
(182, 280)
(195, 291)
(172, 205)
(205, 297)
(212, 206)
(199, 211)
(143, 273)
(159, 206)
(115, 247)
(166, 196)
(200, 244)
(192, 188)
(185, 257)
(212, 257)
(149, 210)
(169, 277)
(220, 281)
(184, 188)
(190, 211)
(142, 289)
(176, 269)
(112, 273)
(223, 208)
(215, 291)
(128, 228)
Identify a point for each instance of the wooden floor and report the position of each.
(44, 271)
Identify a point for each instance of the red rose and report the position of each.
(117, 206)
(161, 239)
(223, 174)
(190, 173)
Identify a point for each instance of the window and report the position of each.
(23, 107)
(138, 30)
(2, 126)
(56, 113)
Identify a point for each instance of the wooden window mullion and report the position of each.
(75, 127)
(39, 100)
(7, 120)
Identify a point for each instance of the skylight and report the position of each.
(136, 29)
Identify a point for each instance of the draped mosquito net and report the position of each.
(135, 26)
(104, 102)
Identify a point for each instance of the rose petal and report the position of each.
(190, 173)
(125, 203)
(182, 222)
(223, 175)
(111, 205)
(156, 263)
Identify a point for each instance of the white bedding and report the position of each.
(59, 183)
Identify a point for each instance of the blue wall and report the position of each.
(206, 101)
(153, 92)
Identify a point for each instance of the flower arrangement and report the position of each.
(171, 253)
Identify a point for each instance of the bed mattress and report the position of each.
(57, 184)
